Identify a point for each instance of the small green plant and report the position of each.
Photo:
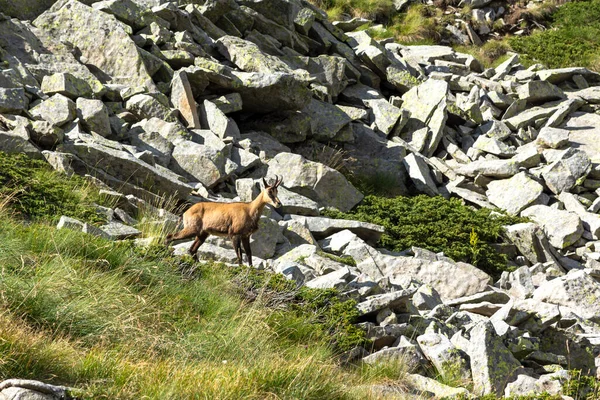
(581, 387)
(436, 224)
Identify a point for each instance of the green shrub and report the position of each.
(437, 224)
(33, 189)
(322, 314)
(573, 41)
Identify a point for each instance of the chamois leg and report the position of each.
(200, 239)
(237, 246)
(182, 234)
(247, 249)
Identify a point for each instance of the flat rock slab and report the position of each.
(322, 227)
(563, 228)
(576, 290)
(100, 38)
(514, 194)
(585, 133)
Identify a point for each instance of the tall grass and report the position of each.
(119, 322)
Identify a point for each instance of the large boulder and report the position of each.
(427, 106)
(539, 92)
(183, 99)
(568, 171)
(322, 227)
(34, 54)
(261, 92)
(577, 290)
(563, 228)
(493, 366)
(451, 280)
(13, 100)
(514, 194)
(100, 39)
(326, 120)
(58, 110)
(124, 166)
(202, 162)
(66, 84)
(316, 181)
(94, 116)
(248, 57)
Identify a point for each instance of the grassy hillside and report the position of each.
(572, 37)
(122, 322)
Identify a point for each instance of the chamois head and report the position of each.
(270, 192)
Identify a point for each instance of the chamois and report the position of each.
(235, 220)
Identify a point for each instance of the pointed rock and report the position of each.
(183, 99)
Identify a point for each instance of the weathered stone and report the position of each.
(420, 174)
(449, 361)
(215, 120)
(583, 133)
(493, 146)
(450, 280)
(336, 279)
(491, 168)
(495, 130)
(69, 223)
(94, 116)
(553, 138)
(539, 92)
(379, 302)
(124, 166)
(128, 11)
(514, 194)
(576, 290)
(13, 100)
(337, 242)
(591, 222)
(568, 171)
(248, 57)
(183, 99)
(527, 117)
(204, 163)
(66, 84)
(57, 110)
(530, 241)
(563, 228)
(422, 384)
(316, 181)
(294, 203)
(146, 106)
(46, 135)
(427, 105)
(493, 366)
(118, 231)
(323, 227)
(326, 120)
(96, 35)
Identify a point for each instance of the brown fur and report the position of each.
(235, 220)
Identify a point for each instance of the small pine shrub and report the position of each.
(437, 224)
(573, 41)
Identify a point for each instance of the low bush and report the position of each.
(437, 224)
(573, 40)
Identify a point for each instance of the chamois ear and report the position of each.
(265, 183)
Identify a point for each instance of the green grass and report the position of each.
(574, 39)
(33, 189)
(117, 321)
(437, 224)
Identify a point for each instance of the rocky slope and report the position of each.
(151, 98)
